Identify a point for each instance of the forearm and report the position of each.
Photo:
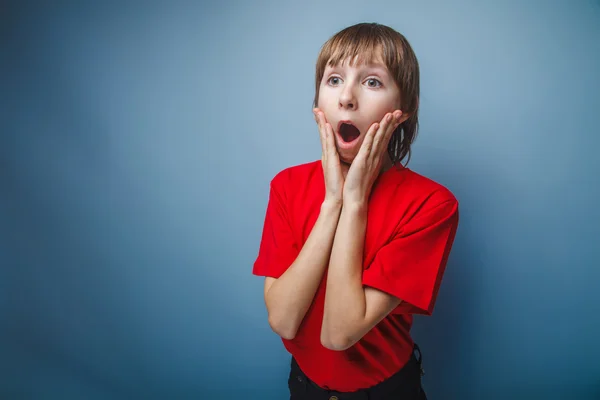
(290, 296)
(345, 304)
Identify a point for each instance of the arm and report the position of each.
(351, 309)
(289, 297)
(409, 267)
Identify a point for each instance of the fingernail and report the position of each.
(388, 117)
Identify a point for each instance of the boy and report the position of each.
(357, 243)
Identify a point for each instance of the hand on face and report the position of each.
(365, 167)
(367, 164)
(332, 169)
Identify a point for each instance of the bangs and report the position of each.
(361, 52)
(362, 45)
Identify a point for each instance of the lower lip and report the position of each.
(346, 145)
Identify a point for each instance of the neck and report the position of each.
(385, 165)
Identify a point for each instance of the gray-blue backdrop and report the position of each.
(138, 141)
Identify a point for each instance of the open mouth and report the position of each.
(348, 132)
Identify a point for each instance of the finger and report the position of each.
(386, 122)
(392, 128)
(330, 140)
(326, 129)
(383, 138)
(391, 131)
(318, 118)
(321, 130)
(367, 144)
(320, 114)
(321, 119)
(396, 122)
(322, 136)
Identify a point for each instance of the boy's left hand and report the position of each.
(365, 168)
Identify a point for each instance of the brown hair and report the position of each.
(365, 42)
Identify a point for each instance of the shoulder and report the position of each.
(427, 190)
(297, 175)
(413, 194)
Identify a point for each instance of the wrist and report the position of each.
(331, 204)
(356, 206)
(356, 198)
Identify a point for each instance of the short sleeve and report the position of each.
(412, 264)
(278, 249)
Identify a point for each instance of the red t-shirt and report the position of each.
(411, 224)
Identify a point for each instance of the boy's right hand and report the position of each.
(332, 169)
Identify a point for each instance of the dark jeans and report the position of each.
(403, 385)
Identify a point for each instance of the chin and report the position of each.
(346, 159)
(347, 155)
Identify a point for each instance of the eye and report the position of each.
(372, 82)
(334, 80)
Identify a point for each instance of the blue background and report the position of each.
(137, 145)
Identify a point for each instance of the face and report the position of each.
(357, 96)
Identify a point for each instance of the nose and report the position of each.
(347, 99)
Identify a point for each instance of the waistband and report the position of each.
(409, 376)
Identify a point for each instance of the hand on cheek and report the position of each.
(367, 165)
(332, 169)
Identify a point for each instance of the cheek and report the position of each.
(385, 105)
(325, 95)
(388, 99)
